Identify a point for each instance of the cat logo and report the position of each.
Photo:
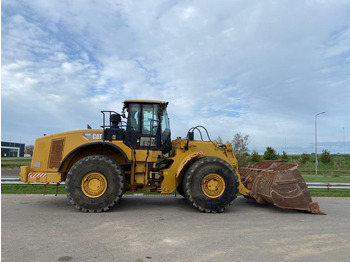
(93, 136)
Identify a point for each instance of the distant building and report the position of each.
(10, 149)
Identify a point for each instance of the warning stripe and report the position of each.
(37, 175)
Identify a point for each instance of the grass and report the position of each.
(31, 189)
(15, 162)
(330, 193)
(338, 166)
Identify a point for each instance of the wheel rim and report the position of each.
(213, 185)
(94, 184)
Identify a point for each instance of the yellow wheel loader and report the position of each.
(137, 154)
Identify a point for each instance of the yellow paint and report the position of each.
(54, 177)
(213, 185)
(182, 150)
(188, 159)
(94, 184)
(139, 171)
(23, 174)
(74, 139)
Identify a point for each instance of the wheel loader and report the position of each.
(133, 152)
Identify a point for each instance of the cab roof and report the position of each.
(144, 101)
(130, 101)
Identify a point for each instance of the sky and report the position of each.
(259, 68)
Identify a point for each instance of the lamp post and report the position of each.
(316, 162)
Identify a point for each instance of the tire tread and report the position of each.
(192, 172)
(117, 170)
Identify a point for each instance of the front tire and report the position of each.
(210, 184)
(180, 190)
(95, 183)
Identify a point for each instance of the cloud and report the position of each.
(260, 69)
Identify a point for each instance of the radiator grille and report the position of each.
(56, 153)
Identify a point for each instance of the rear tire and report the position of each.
(210, 184)
(180, 190)
(95, 183)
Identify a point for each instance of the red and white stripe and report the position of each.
(32, 175)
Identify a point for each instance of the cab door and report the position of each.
(143, 128)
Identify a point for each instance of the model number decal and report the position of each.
(93, 136)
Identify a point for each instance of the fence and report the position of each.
(16, 181)
(327, 185)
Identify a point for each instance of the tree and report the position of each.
(219, 141)
(304, 158)
(325, 156)
(255, 157)
(284, 155)
(240, 148)
(29, 149)
(270, 154)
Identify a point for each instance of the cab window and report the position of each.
(133, 117)
(150, 120)
(165, 127)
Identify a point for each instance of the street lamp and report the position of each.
(316, 162)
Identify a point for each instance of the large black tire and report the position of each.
(95, 183)
(210, 184)
(180, 190)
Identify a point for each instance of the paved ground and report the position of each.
(165, 228)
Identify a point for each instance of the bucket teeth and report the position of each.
(279, 183)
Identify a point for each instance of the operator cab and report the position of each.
(147, 125)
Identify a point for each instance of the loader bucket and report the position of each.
(279, 183)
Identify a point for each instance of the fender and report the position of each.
(90, 144)
(187, 159)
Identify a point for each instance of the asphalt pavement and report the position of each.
(165, 228)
